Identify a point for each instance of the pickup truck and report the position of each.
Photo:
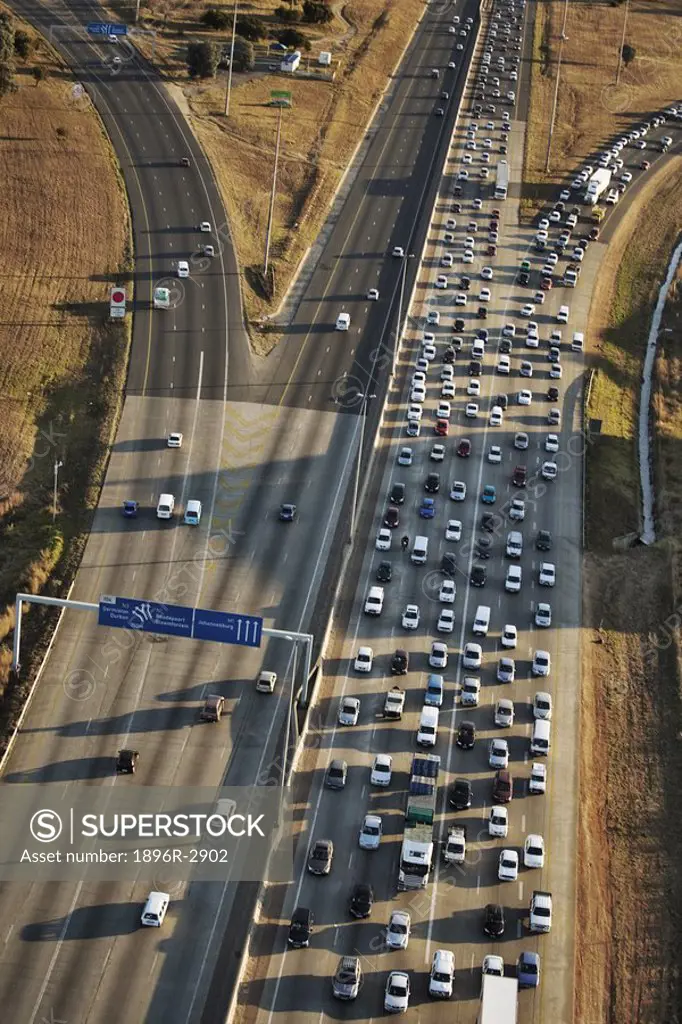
(394, 703)
(540, 911)
(454, 851)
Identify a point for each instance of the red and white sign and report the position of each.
(117, 303)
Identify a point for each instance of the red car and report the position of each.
(491, 250)
(442, 427)
(464, 448)
(503, 787)
(392, 517)
(546, 283)
(519, 477)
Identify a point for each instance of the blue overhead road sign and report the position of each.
(107, 28)
(177, 620)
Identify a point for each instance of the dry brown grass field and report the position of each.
(63, 236)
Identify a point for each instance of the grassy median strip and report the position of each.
(64, 237)
(629, 882)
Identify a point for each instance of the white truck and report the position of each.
(540, 911)
(597, 185)
(416, 853)
(499, 998)
(455, 849)
(394, 703)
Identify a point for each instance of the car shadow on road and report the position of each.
(67, 771)
(95, 922)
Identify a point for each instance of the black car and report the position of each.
(483, 334)
(449, 355)
(384, 572)
(361, 900)
(466, 735)
(464, 448)
(448, 564)
(502, 401)
(400, 662)
(482, 313)
(483, 548)
(287, 513)
(475, 368)
(301, 927)
(320, 857)
(493, 923)
(456, 207)
(459, 324)
(543, 541)
(397, 495)
(126, 761)
(479, 575)
(505, 345)
(553, 394)
(524, 277)
(460, 794)
(489, 522)
(456, 344)
(392, 517)
(465, 283)
(432, 483)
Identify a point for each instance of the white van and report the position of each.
(540, 737)
(478, 349)
(420, 550)
(193, 512)
(578, 342)
(155, 909)
(343, 322)
(165, 506)
(427, 733)
(481, 620)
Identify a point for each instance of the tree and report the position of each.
(244, 58)
(316, 13)
(7, 65)
(288, 14)
(202, 60)
(292, 37)
(252, 28)
(216, 18)
(628, 53)
(23, 44)
(39, 74)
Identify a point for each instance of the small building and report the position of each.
(325, 58)
(291, 61)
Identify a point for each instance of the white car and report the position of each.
(461, 299)
(419, 378)
(549, 470)
(447, 259)
(414, 413)
(484, 295)
(538, 777)
(498, 822)
(504, 713)
(517, 509)
(472, 655)
(405, 457)
(373, 294)
(437, 453)
(398, 251)
(447, 372)
(471, 410)
(174, 440)
(474, 387)
(498, 754)
(487, 273)
(521, 440)
(527, 310)
(470, 693)
(428, 350)
(397, 994)
(398, 931)
(534, 852)
(509, 637)
(547, 577)
(468, 256)
(504, 365)
(542, 705)
(447, 592)
(526, 368)
(381, 772)
(349, 711)
(364, 659)
(494, 965)
(433, 317)
(626, 177)
(542, 663)
(555, 216)
(508, 869)
(446, 621)
(453, 531)
(183, 268)
(544, 224)
(506, 670)
(441, 281)
(410, 619)
(458, 491)
(438, 658)
(495, 454)
(444, 411)
(418, 394)
(563, 314)
(496, 416)
(555, 371)
(448, 389)
(384, 538)
(543, 615)
(370, 832)
(205, 225)
(525, 397)
(552, 443)
(442, 975)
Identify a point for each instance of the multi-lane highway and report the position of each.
(254, 435)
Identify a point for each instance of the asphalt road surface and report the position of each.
(255, 434)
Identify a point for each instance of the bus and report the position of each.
(502, 180)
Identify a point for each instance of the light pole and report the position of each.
(622, 41)
(564, 39)
(228, 90)
(401, 299)
(57, 466)
(366, 396)
(271, 210)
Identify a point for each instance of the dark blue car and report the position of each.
(129, 509)
(427, 509)
(287, 513)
